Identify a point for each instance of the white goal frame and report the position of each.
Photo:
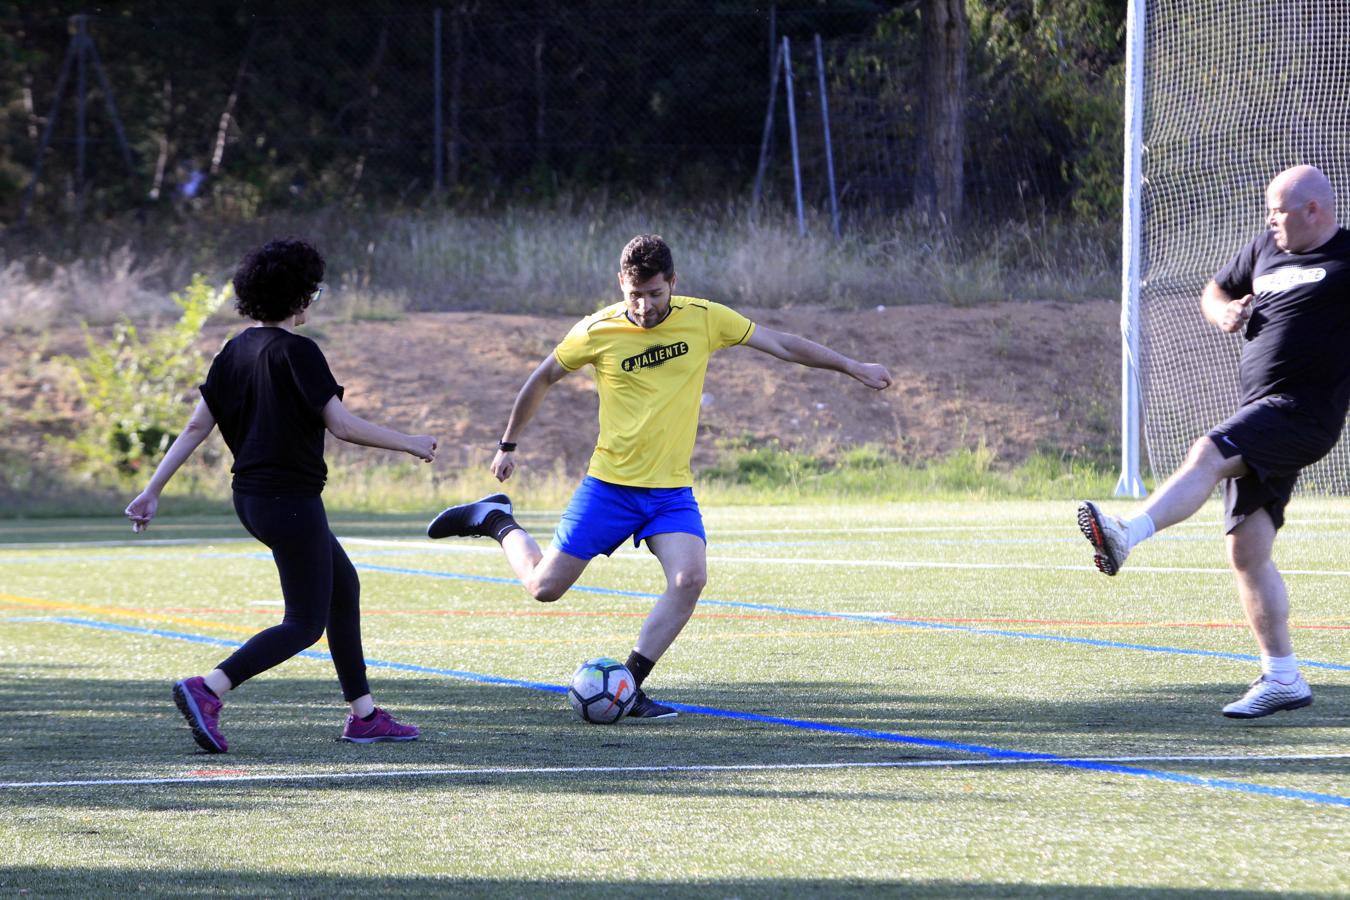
(1220, 96)
(1131, 483)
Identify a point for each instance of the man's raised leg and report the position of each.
(1266, 603)
(546, 576)
(1179, 498)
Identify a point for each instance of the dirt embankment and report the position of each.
(1018, 376)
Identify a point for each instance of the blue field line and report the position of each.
(1047, 758)
(870, 618)
(802, 724)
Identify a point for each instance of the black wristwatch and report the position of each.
(506, 446)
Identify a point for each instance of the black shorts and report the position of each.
(1277, 441)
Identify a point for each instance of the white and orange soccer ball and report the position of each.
(602, 691)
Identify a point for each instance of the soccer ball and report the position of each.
(602, 690)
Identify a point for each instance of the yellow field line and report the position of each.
(69, 606)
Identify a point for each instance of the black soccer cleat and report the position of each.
(647, 708)
(466, 520)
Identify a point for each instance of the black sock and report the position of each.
(209, 691)
(498, 525)
(369, 717)
(640, 666)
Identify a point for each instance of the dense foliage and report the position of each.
(242, 108)
(134, 387)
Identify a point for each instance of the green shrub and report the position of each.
(134, 387)
(765, 467)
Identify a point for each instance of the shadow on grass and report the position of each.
(70, 728)
(45, 881)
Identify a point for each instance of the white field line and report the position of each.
(630, 554)
(611, 770)
(461, 548)
(893, 564)
(866, 563)
(1034, 567)
(1199, 523)
(424, 545)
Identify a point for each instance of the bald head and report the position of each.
(1303, 183)
(1301, 209)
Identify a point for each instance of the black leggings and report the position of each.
(319, 585)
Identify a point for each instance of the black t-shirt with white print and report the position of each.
(266, 390)
(1297, 341)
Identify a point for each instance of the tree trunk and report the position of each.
(940, 183)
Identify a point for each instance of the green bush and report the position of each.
(765, 467)
(134, 387)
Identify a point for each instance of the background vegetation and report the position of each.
(564, 129)
(246, 108)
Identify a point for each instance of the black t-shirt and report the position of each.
(1297, 341)
(266, 390)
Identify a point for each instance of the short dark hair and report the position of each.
(645, 257)
(275, 281)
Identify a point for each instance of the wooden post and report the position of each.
(456, 91)
(829, 153)
(437, 139)
(792, 129)
(46, 138)
(758, 189)
(81, 99)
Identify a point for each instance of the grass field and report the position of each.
(918, 700)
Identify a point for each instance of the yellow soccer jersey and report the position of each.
(650, 382)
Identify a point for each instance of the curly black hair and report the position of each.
(645, 257)
(275, 281)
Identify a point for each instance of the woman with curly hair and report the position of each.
(272, 394)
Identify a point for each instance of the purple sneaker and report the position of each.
(201, 708)
(381, 727)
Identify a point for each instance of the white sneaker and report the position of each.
(1107, 536)
(1266, 696)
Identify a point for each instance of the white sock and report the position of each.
(1140, 528)
(1283, 669)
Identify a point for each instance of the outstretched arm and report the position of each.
(804, 352)
(141, 510)
(531, 394)
(355, 430)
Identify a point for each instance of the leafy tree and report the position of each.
(1046, 101)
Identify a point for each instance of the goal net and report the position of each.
(1234, 91)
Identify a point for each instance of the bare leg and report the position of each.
(684, 557)
(1260, 586)
(1182, 495)
(546, 576)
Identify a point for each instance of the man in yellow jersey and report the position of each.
(650, 353)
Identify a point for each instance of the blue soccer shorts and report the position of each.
(601, 516)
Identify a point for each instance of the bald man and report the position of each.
(1288, 293)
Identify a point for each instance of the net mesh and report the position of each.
(1234, 92)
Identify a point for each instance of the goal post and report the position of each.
(1131, 483)
(1221, 95)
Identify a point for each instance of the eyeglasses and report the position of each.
(314, 296)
